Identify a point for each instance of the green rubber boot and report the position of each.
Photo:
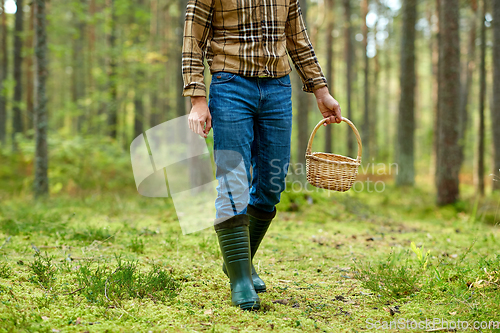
(259, 223)
(235, 247)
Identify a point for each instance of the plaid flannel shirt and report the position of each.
(249, 38)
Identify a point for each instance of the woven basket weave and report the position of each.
(331, 171)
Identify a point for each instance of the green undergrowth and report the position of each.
(77, 164)
(333, 262)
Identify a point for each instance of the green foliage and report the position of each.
(92, 234)
(92, 281)
(18, 319)
(422, 258)
(136, 245)
(305, 259)
(43, 270)
(398, 278)
(394, 278)
(76, 164)
(28, 219)
(5, 270)
(102, 285)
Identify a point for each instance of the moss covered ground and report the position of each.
(333, 262)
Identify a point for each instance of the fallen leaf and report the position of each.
(209, 312)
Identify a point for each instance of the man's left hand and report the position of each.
(328, 106)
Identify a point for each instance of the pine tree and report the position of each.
(41, 185)
(495, 107)
(406, 118)
(448, 158)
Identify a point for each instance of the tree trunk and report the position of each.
(447, 168)
(385, 114)
(469, 70)
(153, 32)
(330, 4)
(349, 54)
(437, 122)
(482, 93)
(303, 103)
(495, 107)
(434, 55)
(375, 91)
(3, 75)
(90, 60)
(30, 74)
(180, 100)
(165, 106)
(406, 117)
(41, 184)
(113, 101)
(138, 109)
(78, 75)
(139, 82)
(17, 120)
(367, 118)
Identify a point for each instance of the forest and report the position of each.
(82, 250)
(399, 72)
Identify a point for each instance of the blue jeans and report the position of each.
(252, 126)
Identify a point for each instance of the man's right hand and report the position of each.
(200, 120)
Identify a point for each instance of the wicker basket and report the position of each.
(331, 171)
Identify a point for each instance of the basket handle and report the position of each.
(355, 130)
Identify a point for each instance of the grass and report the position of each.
(332, 263)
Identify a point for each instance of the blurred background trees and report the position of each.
(422, 84)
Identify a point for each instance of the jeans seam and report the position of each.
(258, 162)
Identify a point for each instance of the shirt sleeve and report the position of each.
(197, 28)
(301, 51)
